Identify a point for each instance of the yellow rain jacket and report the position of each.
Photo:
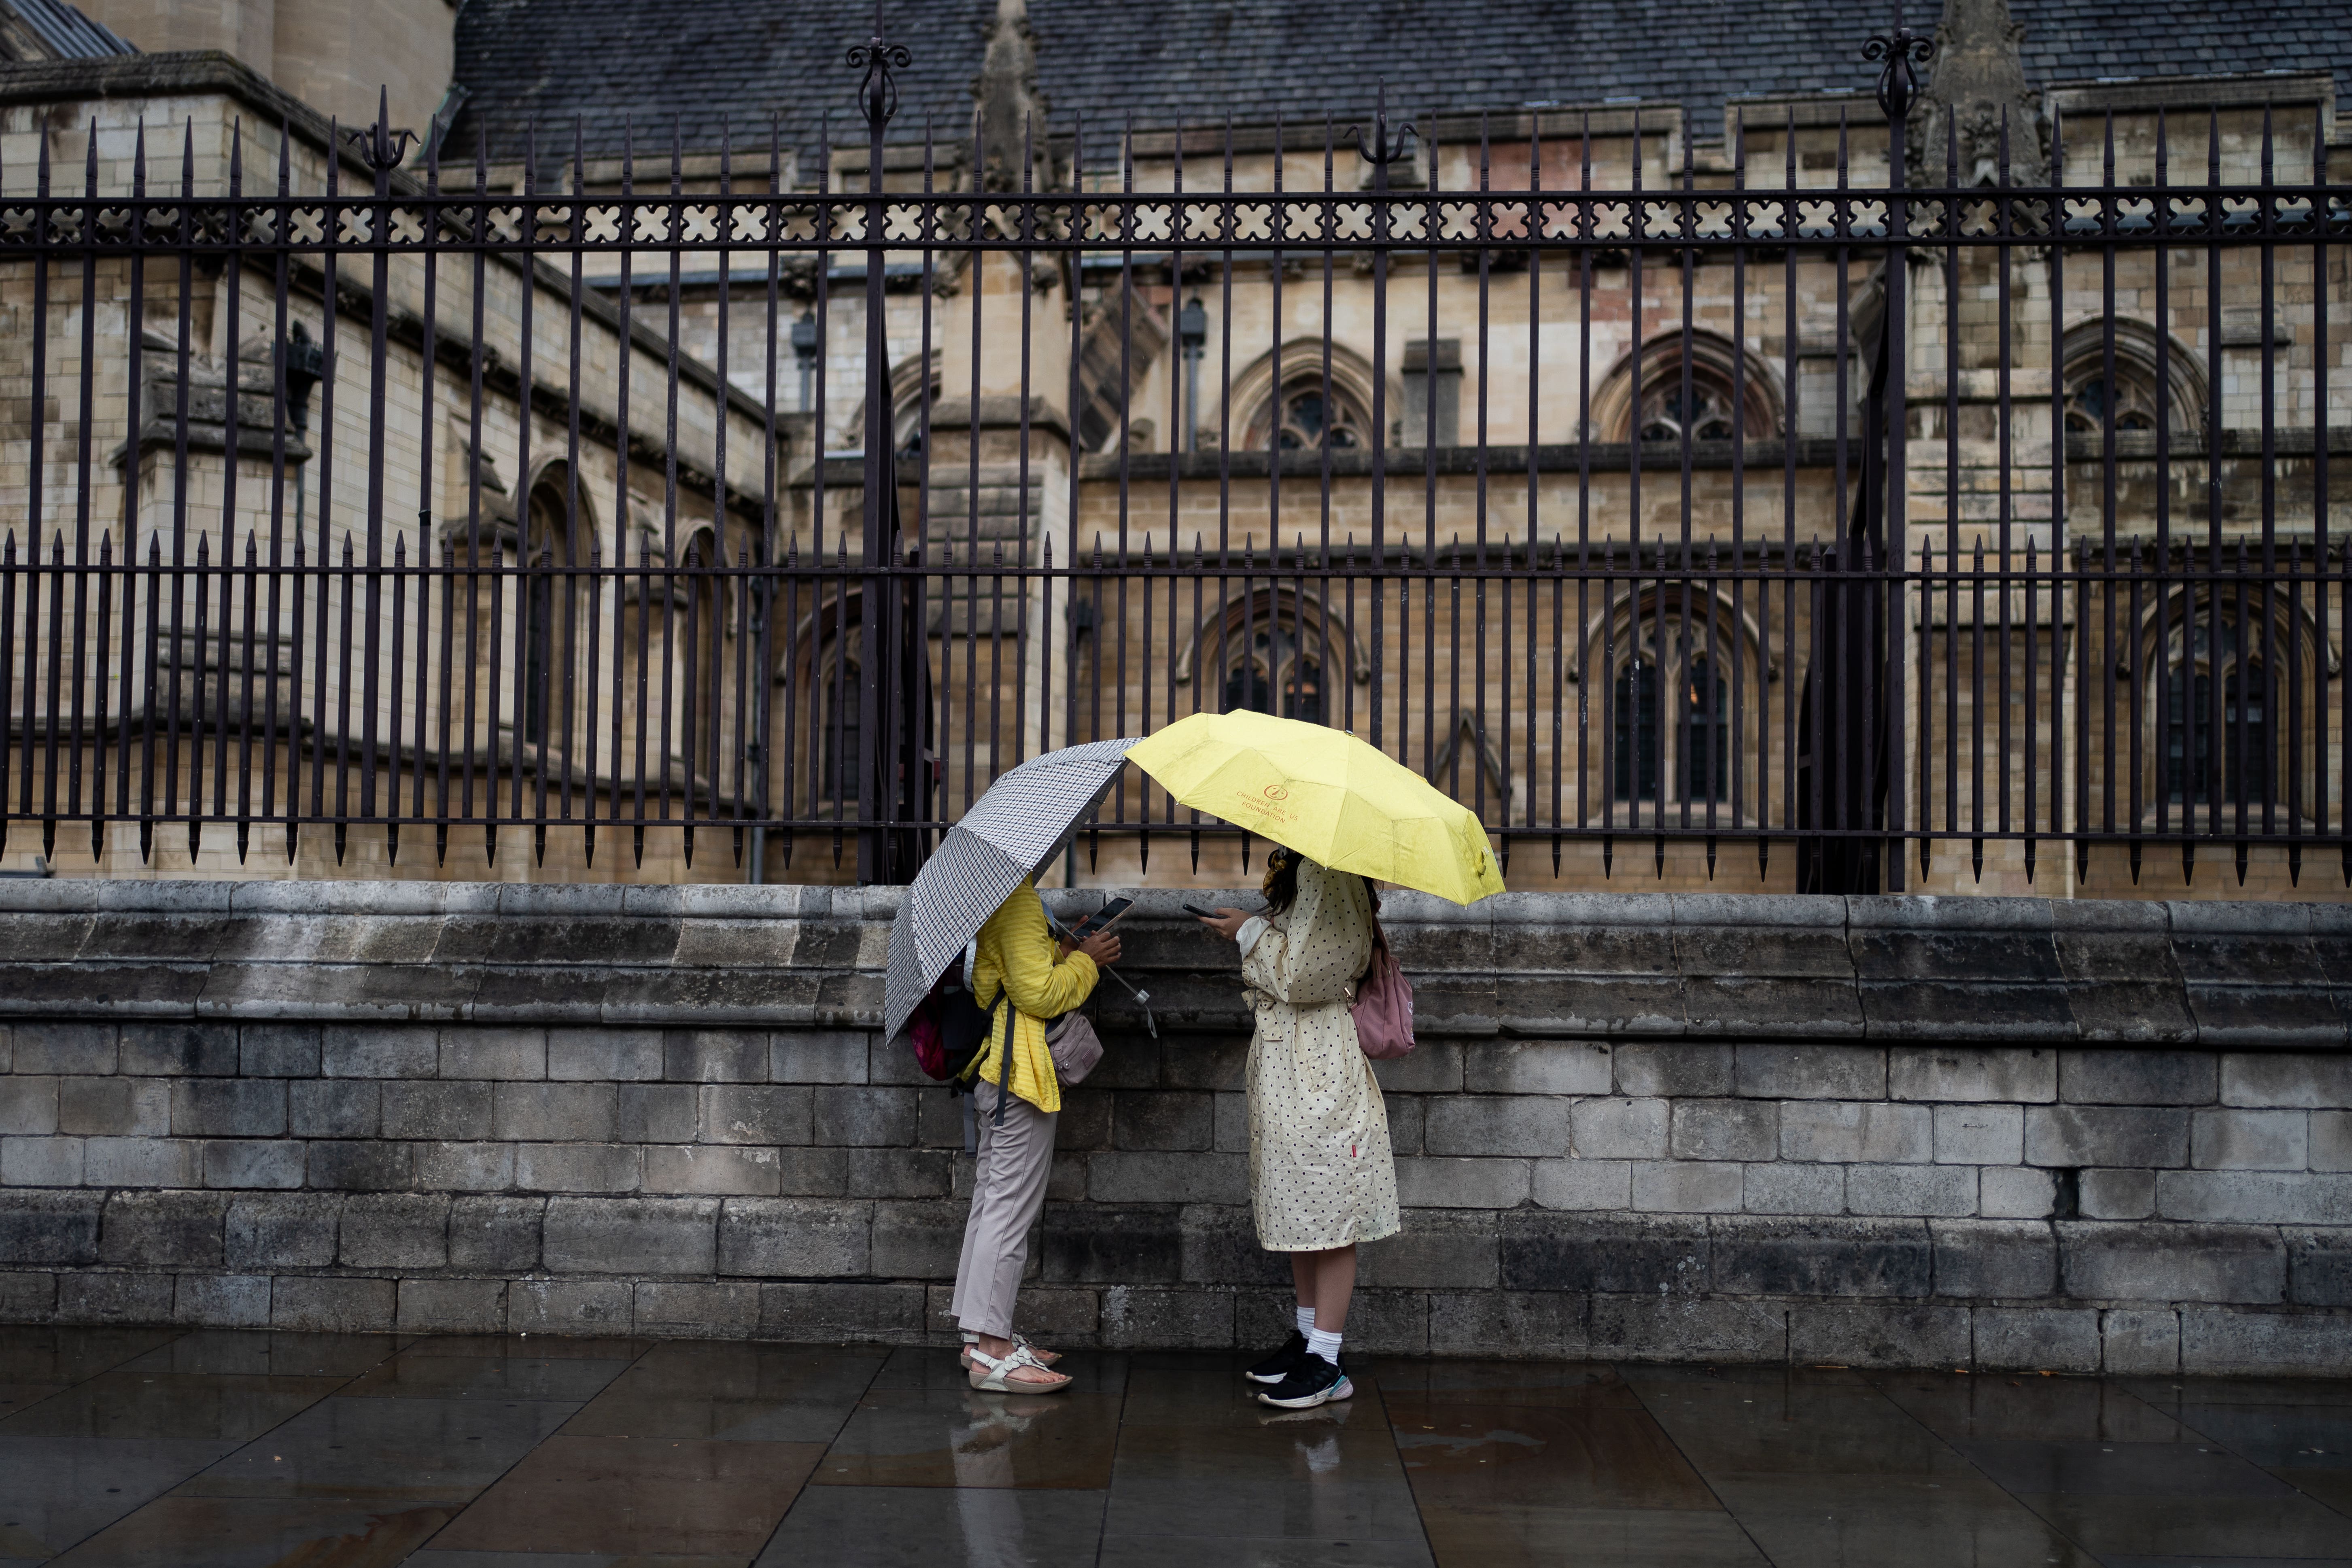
(1018, 958)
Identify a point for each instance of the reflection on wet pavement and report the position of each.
(126, 1447)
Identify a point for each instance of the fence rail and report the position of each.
(1872, 516)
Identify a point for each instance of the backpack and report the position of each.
(1383, 1005)
(949, 1029)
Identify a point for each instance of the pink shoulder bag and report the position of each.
(1383, 1004)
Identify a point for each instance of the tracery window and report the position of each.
(1697, 388)
(1307, 416)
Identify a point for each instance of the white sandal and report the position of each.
(992, 1375)
(1020, 1342)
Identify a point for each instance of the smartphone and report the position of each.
(1102, 919)
(1196, 910)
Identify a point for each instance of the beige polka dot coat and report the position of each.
(1321, 1171)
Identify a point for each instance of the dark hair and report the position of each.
(1281, 880)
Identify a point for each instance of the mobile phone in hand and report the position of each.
(1197, 910)
(1101, 919)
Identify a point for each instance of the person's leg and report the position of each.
(1302, 1281)
(1001, 1214)
(1335, 1285)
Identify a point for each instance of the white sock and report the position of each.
(1306, 1319)
(1325, 1343)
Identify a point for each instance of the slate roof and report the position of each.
(53, 30)
(702, 61)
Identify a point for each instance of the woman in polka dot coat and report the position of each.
(1321, 1177)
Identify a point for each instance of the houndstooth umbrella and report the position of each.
(1003, 841)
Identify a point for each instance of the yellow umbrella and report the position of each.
(1326, 795)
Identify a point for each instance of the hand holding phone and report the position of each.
(1101, 919)
(1198, 910)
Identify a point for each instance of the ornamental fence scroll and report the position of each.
(1637, 497)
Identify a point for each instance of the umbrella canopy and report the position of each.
(1003, 841)
(1326, 794)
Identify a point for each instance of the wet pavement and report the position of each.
(124, 1447)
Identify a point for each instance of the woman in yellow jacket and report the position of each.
(1027, 979)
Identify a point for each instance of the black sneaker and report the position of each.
(1312, 1382)
(1276, 1367)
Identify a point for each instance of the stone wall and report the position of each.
(1988, 1132)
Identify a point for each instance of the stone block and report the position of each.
(495, 1235)
(2116, 1194)
(1233, 1130)
(862, 1116)
(1966, 1073)
(359, 1166)
(787, 1237)
(1876, 1336)
(2126, 1262)
(758, 1113)
(1979, 1134)
(1994, 1258)
(1911, 1189)
(371, 1050)
(1724, 1130)
(812, 1172)
(221, 1301)
(578, 1168)
(2038, 1339)
(893, 1173)
(2221, 1342)
(2138, 1078)
(603, 1055)
(2319, 1267)
(1819, 1255)
(1778, 1188)
(29, 1106)
(114, 1107)
(2256, 1197)
(554, 1112)
(1217, 1245)
(714, 1056)
(1675, 1069)
(1583, 1184)
(1537, 1066)
(1604, 1130)
(175, 1050)
(1441, 1249)
(843, 1313)
(480, 1051)
(660, 1112)
(631, 1236)
(162, 1230)
(40, 1162)
(51, 1046)
(2136, 1342)
(1686, 1187)
(395, 1230)
(1407, 1114)
(268, 1232)
(1140, 1317)
(1164, 1119)
(334, 1108)
(1657, 1328)
(277, 1050)
(2331, 1140)
(1215, 1063)
(1811, 1072)
(702, 1312)
(569, 1307)
(113, 1299)
(2302, 1079)
(451, 1306)
(142, 1163)
(2237, 1139)
(1847, 1130)
(819, 1055)
(939, 1121)
(443, 1111)
(229, 1108)
(724, 1169)
(1429, 1183)
(916, 1240)
(1488, 1322)
(2066, 1136)
(464, 1167)
(29, 1298)
(1500, 1124)
(54, 1227)
(254, 1162)
(309, 1304)
(1084, 1123)
(1143, 1178)
(1629, 1254)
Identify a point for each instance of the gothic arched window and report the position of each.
(2124, 383)
(1307, 416)
(2217, 745)
(1274, 675)
(1699, 388)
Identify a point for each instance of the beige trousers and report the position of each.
(1008, 1191)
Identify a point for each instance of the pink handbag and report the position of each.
(1383, 1004)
